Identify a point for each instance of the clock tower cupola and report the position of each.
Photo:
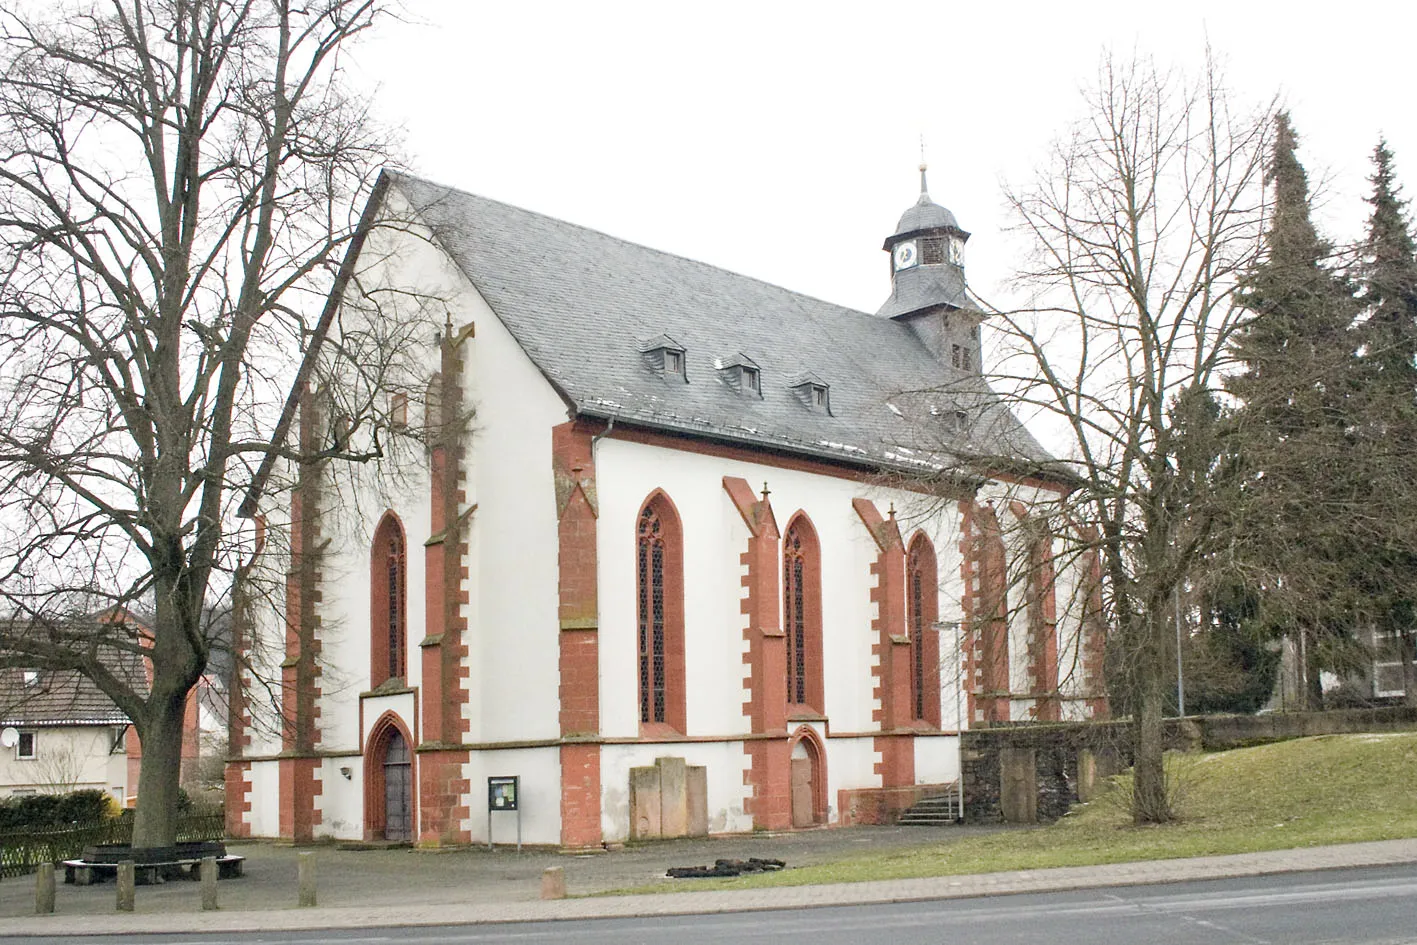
(928, 290)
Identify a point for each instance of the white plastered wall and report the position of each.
(714, 537)
(539, 797)
(512, 626)
(264, 816)
(724, 766)
(67, 758)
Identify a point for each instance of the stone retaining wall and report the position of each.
(1029, 773)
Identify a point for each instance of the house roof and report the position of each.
(46, 697)
(581, 303)
(60, 698)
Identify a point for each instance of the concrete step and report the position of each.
(934, 811)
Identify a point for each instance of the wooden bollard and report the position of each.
(44, 889)
(208, 873)
(127, 881)
(305, 871)
(553, 883)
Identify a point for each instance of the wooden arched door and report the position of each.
(398, 788)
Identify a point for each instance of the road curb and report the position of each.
(710, 902)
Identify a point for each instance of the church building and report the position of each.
(677, 550)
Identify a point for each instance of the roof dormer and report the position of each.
(742, 374)
(665, 356)
(814, 392)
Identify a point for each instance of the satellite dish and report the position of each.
(9, 738)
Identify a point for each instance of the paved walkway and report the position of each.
(399, 887)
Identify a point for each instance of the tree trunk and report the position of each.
(1150, 801)
(1407, 648)
(160, 774)
(1313, 680)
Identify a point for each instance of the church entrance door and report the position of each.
(398, 789)
(807, 773)
(802, 792)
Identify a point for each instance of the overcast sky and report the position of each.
(781, 139)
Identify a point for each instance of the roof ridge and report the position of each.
(640, 246)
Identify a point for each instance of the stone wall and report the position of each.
(1032, 773)
(1219, 732)
(877, 806)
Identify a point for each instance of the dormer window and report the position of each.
(813, 392)
(742, 374)
(665, 357)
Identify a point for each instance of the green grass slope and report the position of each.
(1307, 792)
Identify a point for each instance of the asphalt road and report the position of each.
(1354, 907)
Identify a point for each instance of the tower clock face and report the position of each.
(905, 255)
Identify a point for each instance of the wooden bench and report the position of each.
(85, 873)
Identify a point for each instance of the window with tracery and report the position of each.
(389, 600)
(922, 611)
(660, 614)
(651, 566)
(801, 614)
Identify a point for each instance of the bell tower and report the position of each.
(928, 289)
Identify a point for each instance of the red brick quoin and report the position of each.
(769, 775)
(573, 466)
(892, 649)
(443, 791)
(300, 671)
(987, 609)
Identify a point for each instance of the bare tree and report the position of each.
(1140, 227)
(178, 184)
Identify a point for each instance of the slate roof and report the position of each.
(925, 287)
(64, 697)
(59, 698)
(925, 214)
(582, 303)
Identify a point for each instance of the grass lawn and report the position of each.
(1307, 792)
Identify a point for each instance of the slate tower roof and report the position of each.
(927, 260)
(592, 312)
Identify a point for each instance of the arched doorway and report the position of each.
(389, 795)
(809, 784)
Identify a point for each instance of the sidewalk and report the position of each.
(435, 896)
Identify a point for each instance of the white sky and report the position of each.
(780, 139)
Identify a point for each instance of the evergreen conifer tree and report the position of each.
(1296, 355)
(1387, 433)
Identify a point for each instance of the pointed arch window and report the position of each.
(802, 613)
(659, 563)
(388, 618)
(922, 610)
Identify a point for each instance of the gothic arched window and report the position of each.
(388, 618)
(802, 613)
(659, 564)
(922, 610)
